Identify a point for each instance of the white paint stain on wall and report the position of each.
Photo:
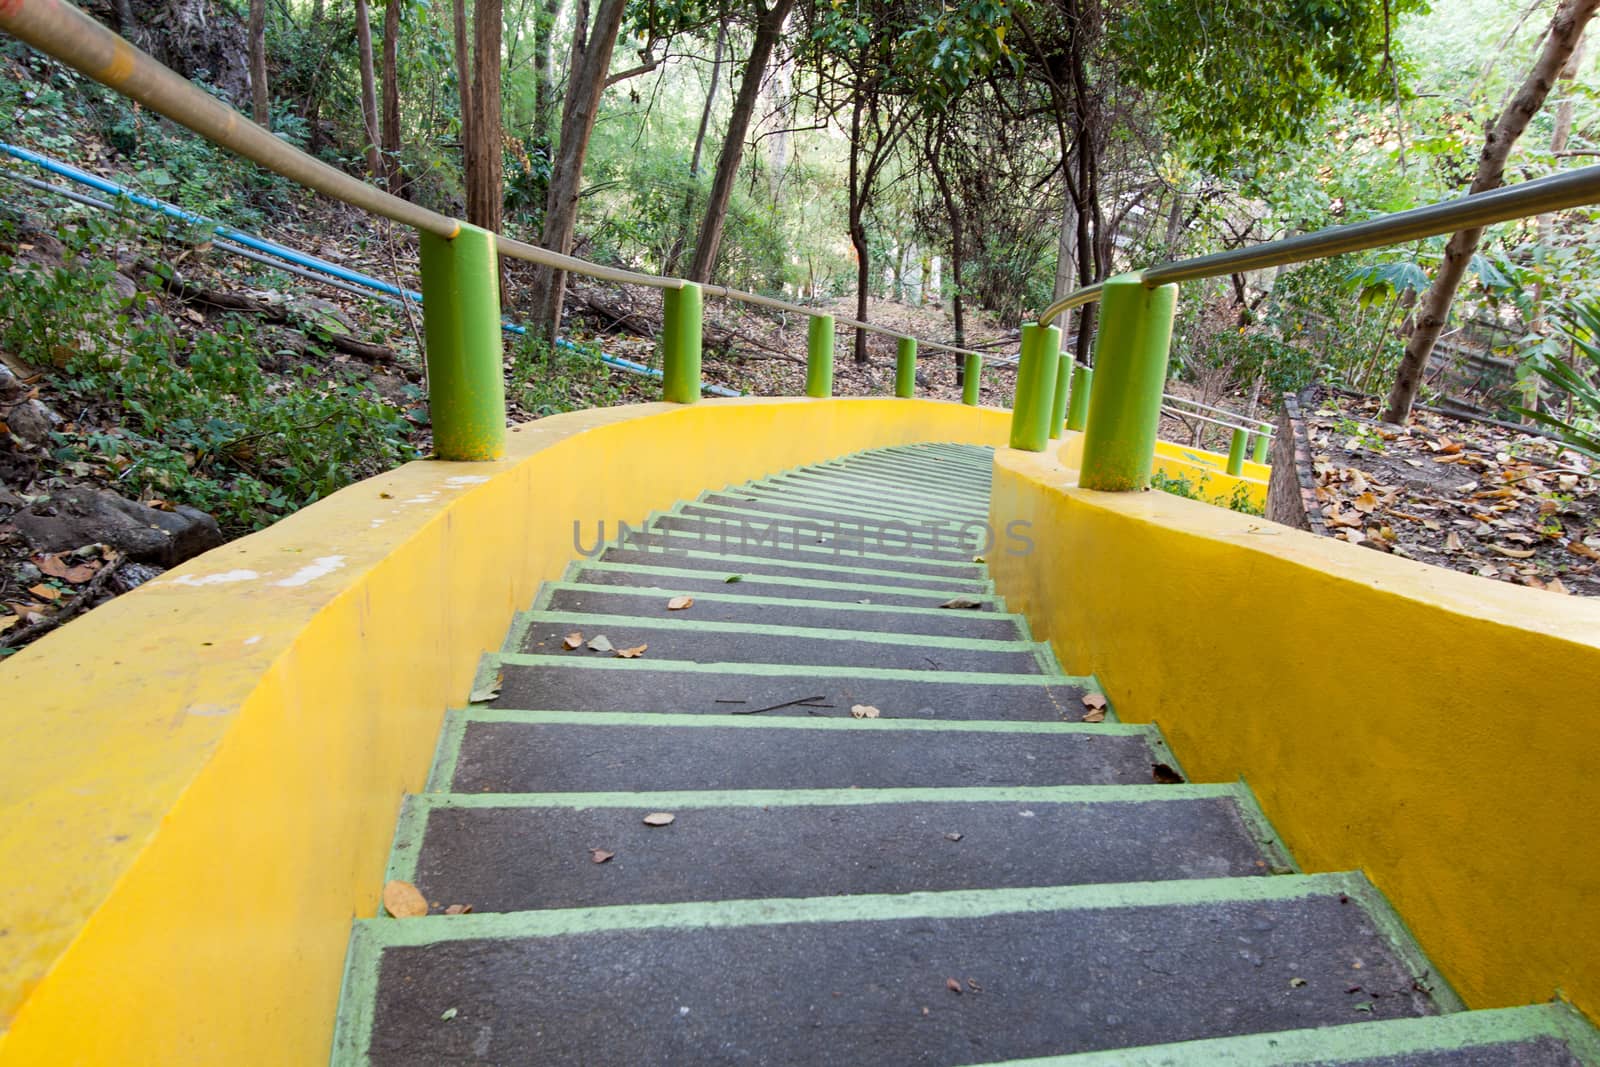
(223, 578)
(311, 572)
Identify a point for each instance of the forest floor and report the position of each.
(1466, 495)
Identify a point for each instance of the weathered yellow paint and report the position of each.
(1435, 729)
(198, 782)
(1181, 461)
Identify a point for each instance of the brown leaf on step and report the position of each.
(962, 603)
(1452, 542)
(459, 909)
(45, 592)
(601, 643)
(56, 567)
(1338, 517)
(1094, 701)
(953, 836)
(863, 711)
(953, 985)
(8, 621)
(1514, 553)
(403, 901)
(572, 640)
(658, 818)
(1096, 715)
(600, 855)
(1366, 503)
(1580, 549)
(631, 653)
(1165, 774)
(1555, 586)
(678, 603)
(488, 690)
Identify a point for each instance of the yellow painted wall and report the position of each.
(199, 780)
(1208, 471)
(1440, 731)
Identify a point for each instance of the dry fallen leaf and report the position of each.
(572, 640)
(1514, 553)
(56, 567)
(953, 836)
(488, 690)
(600, 855)
(631, 653)
(601, 643)
(863, 711)
(1165, 774)
(403, 900)
(1366, 503)
(45, 592)
(1097, 715)
(658, 818)
(1555, 586)
(458, 909)
(678, 603)
(953, 985)
(8, 622)
(962, 603)
(1452, 542)
(1094, 701)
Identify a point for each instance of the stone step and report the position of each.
(824, 566)
(729, 604)
(812, 587)
(921, 493)
(522, 852)
(1539, 1035)
(486, 751)
(681, 635)
(898, 542)
(867, 498)
(763, 509)
(594, 683)
(942, 978)
(718, 542)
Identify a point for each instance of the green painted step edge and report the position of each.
(906, 474)
(370, 937)
(574, 573)
(876, 511)
(492, 660)
(917, 535)
(1398, 935)
(1350, 1042)
(661, 594)
(841, 559)
(829, 514)
(730, 564)
(680, 621)
(913, 493)
(417, 807)
(870, 496)
(448, 753)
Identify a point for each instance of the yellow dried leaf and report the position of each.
(45, 592)
(8, 622)
(1555, 586)
(660, 818)
(403, 900)
(863, 711)
(678, 603)
(572, 640)
(1366, 503)
(631, 653)
(1514, 553)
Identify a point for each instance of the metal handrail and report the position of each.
(60, 30)
(1177, 414)
(1556, 192)
(1265, 424)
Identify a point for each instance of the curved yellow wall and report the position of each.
(199, 781)
(1440, 731)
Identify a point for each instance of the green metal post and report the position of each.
(461, 323)
(1236, 448)
(1058, 407)
(1036, 386)
(1125, 406)
(971, 379)
(1078, 406)
(905, 368)
(680, 344)
(819, 356)
(1259, 452)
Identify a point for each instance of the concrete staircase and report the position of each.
(893, 839)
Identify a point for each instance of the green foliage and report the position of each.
(548, 379)
(1238, 500)
(1580, 325)
(202, 424)
(1236, 81)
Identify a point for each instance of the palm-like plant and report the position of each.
(1580, 324)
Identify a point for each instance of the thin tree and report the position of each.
(485, 201)
(257, 31)
(369, 93)
(391, 96)
(681, 231)
(544, 102)
(769, 26)
(592, 46)
(1566, 29)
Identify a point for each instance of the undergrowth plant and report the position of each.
(1580, 325)
(547, 379)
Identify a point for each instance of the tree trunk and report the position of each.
(681, 231)
(544, 102)
(1566, 29)
(591, 62)
(768, 27)
(952, 212)
(458, 19)
(391, 95)
(484, 155)
(369, 93)
(259, 107)
(1067, 250)
(313, 111)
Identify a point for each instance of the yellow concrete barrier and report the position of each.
(1206, 472)
(198, 781)
(1437, 730)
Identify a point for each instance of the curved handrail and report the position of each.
(1555, 192)
(60, 30)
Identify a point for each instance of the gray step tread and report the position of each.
(681, 636)
(554, 683)
(898, 541)
(515, 853)
(639, 752)
(729, 604)
(867, 590)
(721, 503)
(826, 568)
(777, 982)
(1539, 1035)
(710, 541)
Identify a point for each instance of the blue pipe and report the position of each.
(282, 252)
